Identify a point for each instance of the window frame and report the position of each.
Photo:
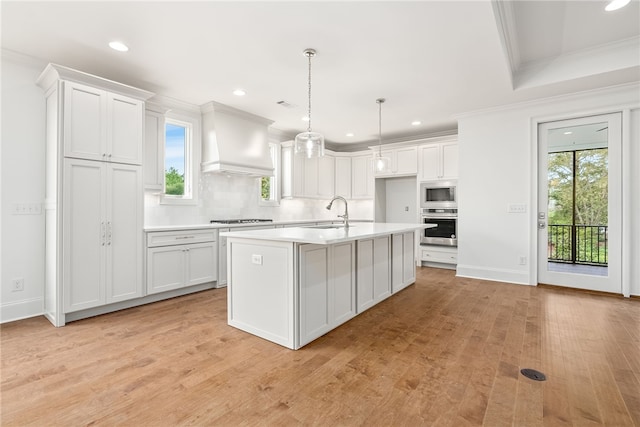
(274, 186)
(190, 196)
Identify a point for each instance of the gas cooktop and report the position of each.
(239, 221)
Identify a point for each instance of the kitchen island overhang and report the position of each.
(293, 285)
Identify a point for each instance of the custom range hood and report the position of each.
(234, 141)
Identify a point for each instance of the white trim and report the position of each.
(24, 309)
(627, 222)
(507, 31)
(494, 274)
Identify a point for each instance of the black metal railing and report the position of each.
(578, 244)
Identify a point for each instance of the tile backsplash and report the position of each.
(229, 197)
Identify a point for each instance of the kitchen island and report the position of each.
(293, 285)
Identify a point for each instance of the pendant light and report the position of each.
(381, 164)
(310, 143)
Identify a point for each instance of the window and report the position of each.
(269, 194)
(177, 161)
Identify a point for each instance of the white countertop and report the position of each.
(328, 236)
(205, 226)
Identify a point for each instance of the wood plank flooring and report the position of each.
(446, 351)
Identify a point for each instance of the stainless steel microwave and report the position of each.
(439, 194)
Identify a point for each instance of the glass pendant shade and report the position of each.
(381, 164)
(310, 143)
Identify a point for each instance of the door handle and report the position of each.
(542, 225)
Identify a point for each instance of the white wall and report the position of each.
(22, 181)
(497, 150)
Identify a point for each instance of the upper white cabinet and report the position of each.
(403, 161)
(438, 161)
(154, 136)
(362, 180)
(343, 175)
(309, 178)
(100, 125)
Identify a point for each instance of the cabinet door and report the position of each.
(314, 292)
(449, 168)
(409, 258)
(365, 288)
(343, 286)
(124, 232)
(85, 127)
(381, 268)
(165, 268)
(286, 171)
(430, 162)
(406, 160)
(311, 184)
(153, 151)
(222, 258)
(84, 234)
(397, 265)
(362, 183)
(343, 177)
(298, 174)
(202, 263)
(125, 118)
(326, 176)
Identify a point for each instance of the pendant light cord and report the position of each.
(380, 101)
(309, 55)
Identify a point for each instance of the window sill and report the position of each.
(177, 201)
(267, 203)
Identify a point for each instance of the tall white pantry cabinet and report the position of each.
(94, 191)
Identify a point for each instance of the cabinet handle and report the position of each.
(185, 237)
(109, 155)
(109, 233)
(104, 233)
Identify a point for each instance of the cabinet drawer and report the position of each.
(168, 238)
(439, 256)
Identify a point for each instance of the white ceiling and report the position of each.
(431, 60)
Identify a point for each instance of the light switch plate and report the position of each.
(517, 208)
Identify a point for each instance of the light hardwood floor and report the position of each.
(446, 351)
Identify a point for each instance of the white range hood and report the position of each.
(234, 141)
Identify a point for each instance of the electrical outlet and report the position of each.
(522, 260)
(17, 284)
(256, 259)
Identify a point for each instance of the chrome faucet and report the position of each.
(346, 210)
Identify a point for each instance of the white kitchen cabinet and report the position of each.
(439, 256)
(327, 284)
(307, 178)
(154, 140)
(374, 271)
(403, 161)
(101, 125)
(438, 161)
(343, 176)
(177, 259)
(362, 180)
(292, 172)
(403, 268)
(102, 242)
(93, 193)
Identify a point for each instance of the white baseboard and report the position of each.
(21, 309)
(493, 274)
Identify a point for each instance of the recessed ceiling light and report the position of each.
(568, 132)
(416, 123)
(616, 4)
(119, 46)
(349, 134)
(305, 119)
(239, 92)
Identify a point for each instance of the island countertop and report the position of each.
(326, 236)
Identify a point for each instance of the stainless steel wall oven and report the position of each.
(446, 232)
